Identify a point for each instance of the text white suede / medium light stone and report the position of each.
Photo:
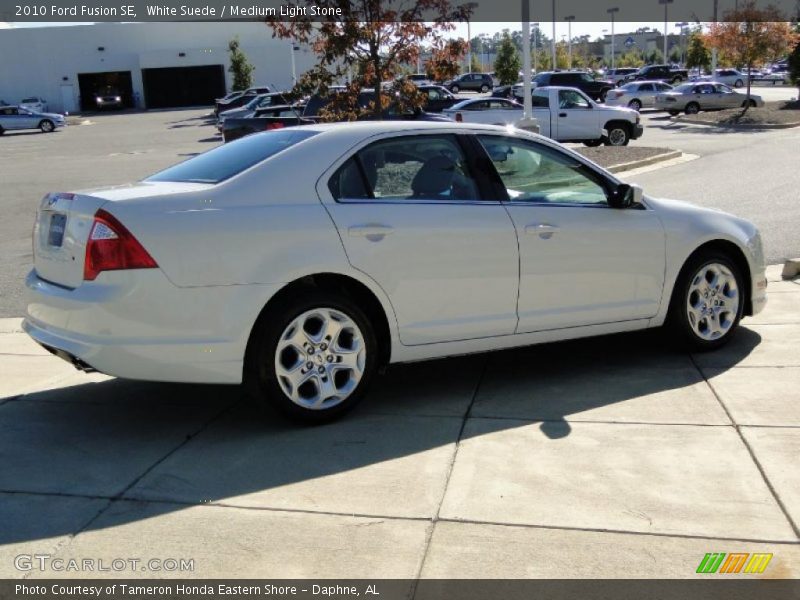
(673, 479)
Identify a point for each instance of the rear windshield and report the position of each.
(231, 159)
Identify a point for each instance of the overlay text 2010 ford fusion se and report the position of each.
(299, 261)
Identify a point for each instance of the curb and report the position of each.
(679, 119)
(644, 162)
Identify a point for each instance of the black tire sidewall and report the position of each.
(635, 105)
(484, 88)
(42, 126)
(678, 320)
(692, 104)
(261, 370)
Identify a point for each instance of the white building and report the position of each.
(150, 65)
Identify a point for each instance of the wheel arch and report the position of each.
(367, 299)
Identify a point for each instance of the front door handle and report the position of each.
(373, 232)
(543, 230)
(562, 114)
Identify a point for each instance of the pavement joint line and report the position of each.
(752, 453)
(598, 422)
(225, 506)
(116, 497)
(450, 467)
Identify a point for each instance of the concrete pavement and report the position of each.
(613, 457)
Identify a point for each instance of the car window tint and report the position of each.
(532, 173)
(228, 160)
(571, 99)
(539, 101)
(646, 87)
(348, 182)
(425, 167)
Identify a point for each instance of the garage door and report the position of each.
(110, 83)
(172, 87)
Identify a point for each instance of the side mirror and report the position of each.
(625, 196)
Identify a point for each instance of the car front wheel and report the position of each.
(692, 108)
(455, 89)
(739, 83)
(46, 126)
(707, 302)
(484, 88)
(313, 359)
(618, 135)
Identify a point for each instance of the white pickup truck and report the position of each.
(568, 115)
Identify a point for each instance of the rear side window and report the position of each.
(228, 160)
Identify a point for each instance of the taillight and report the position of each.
(619, 93)
(276, 125)
(459, 118)
(111, 247)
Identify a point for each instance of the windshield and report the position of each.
(228, 160)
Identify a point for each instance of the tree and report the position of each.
(445, 58)
(240, 67)
(507, 65)
(374, 38)
(751, 35)
(475, 64)
(697, 55)
(794, 62)
(654, 57)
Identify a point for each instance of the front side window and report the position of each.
(535, 174)
(571, 99)
(422, 167)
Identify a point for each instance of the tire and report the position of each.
(738, 83)
(635, 105)
(328, 391)
(688, 326)
(2, 131)
(619, 134)
(455, 89)
(692, 108)
(592, 143)
(751, 104)
(47, 126)
(674, 113)
(484, 88)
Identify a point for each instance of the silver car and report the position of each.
(14, 117)
(637, 94)
(691, 98)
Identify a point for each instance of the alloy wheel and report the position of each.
(617, 137)
(712, 302)
(320, 358)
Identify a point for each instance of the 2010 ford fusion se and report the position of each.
(299, 261)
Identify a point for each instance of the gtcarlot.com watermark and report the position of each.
(48, 563)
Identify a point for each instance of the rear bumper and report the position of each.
(138, 325)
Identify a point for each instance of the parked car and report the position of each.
(622, 75)
(108, 98)
(419, 79)
(264, 119)
(665, 73)
(732, 77)
(237, 101)
(596, 89)
(491, 111)
(637, 94)
(438, 98)
(325, 254)
(249, 109)
(34, 103)
(475, 82)
(504, 91)
(691, 98)
(14, 118)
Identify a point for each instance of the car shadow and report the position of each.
(181, 445)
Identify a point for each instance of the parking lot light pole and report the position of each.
(569, 21)
(612, 12)
(527, 102)
(682, 25)
(535, 47)
(553, 40)
(666, 3)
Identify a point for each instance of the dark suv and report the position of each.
(596, 89)
(665, 73)
(477, 82)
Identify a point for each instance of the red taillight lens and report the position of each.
(276, 125)
(619, 93)
(459, 118)
(111, 247)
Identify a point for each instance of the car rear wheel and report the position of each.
(2, 131)
(635, 105)
(313, 358)
(455, 89)
(46, 126)
(707, 301)
(692, 108)
(484, 88)
(618, 135)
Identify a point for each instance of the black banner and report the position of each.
(319, 10)
(715, 587)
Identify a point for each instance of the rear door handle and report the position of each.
(543, 230)
(372, 232)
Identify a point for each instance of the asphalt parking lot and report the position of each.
(614, 457)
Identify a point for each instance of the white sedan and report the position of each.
(299, 261)
(489, 111)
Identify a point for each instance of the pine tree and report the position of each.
(507, 63)
(698, 54)
(240, 67)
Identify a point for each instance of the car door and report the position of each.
(646, 94)
(503, 112)
(26, 119)
(727, 98)
(576, 117)
(412, 217)
(581, 261)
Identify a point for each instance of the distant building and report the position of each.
(645, 41)
(150, 65)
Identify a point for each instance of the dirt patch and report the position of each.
(609, 156)
(772, 113)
